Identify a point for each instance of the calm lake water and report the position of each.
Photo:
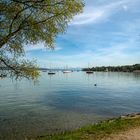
(64, 102)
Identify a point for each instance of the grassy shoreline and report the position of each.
(100, 130)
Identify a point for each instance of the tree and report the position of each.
(28, 22)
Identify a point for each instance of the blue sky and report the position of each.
(106, 33)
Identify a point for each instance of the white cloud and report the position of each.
(88, 17)
(33, 47)
(125, 7)
(108, 45)
(96, 14)
(114, 55)
(40, 47)
(57, 48)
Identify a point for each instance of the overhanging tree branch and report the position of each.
(29, 21)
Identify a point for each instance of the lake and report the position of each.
(64, 102)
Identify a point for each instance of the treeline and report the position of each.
(126, 68)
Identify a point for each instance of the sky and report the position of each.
(107, 33)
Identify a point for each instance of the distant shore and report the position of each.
(126, 68)
(127, 126)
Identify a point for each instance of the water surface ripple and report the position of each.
(64, 102)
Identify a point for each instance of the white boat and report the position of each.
(67, 71)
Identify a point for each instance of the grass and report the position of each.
(97, 131)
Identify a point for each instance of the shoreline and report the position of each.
(99, 131)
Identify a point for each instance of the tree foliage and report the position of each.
(126, 68)
(25, 22)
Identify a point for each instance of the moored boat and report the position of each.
(44, 70)
(51, 73)
(89, 72)
(67, 71)
(3, 75)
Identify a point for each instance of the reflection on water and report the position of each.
(64, 102)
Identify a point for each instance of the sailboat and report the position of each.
(89, 71)
(67, 71)
(50, 71)
(3, 75)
